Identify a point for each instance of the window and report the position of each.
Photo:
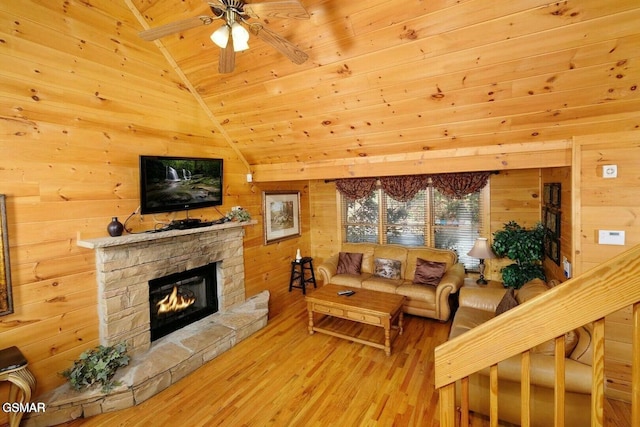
(429, 219)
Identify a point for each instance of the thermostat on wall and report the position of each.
(610, 237)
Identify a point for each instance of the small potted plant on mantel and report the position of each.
(525, 247)
(238, 214)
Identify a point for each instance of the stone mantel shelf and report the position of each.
(106, 242)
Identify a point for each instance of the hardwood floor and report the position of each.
(282, 376)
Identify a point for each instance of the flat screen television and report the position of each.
(169, 184)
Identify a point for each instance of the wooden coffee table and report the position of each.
(370, 307)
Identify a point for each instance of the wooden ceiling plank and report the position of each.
(417, 140)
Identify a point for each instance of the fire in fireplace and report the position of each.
(182, 298)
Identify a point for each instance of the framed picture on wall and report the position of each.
(6, 299)
(281, 215)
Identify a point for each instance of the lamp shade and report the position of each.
(221, 36)
(240, 37)
(481, 249)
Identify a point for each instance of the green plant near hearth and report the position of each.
(525, 247)
(97, 365)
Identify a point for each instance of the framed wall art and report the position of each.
(281, 215)
(6, 300)
(551, 215)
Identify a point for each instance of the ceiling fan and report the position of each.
(233, 36)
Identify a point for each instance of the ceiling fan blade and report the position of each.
(276, 9)
(174, 27)
(279, 43)
(227, 61)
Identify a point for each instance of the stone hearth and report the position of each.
(124, 266)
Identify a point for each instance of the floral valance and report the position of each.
(404, 188)
(458, 185)
(356, 188)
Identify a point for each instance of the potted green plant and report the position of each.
(239, 214)
(97, 365)
(525, 247)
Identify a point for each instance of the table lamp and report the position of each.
(482, 251)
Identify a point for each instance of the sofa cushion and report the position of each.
(349, 263)
(549, 347)
(507, 302)
(387, 268)
(531, 289)
(428, 272)
(381, 284)
(350, 280)
(417, 292)
(467, 318)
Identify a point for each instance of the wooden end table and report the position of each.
(370, 307)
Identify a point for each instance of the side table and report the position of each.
(302, 274)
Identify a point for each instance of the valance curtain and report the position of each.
(458, 185)
(356, 188)
(404, 188)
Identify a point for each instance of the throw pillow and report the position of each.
(387, 268)
(507, 302)
(428, 272)
(349, 263)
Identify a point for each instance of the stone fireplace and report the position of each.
(125, 266)
(127, 270)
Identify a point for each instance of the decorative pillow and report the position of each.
(349, 263)
(428, 272)
(507, 302)
(387, 268)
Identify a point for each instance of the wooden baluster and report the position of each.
(597, 385)
(493, 398)
(448, 405)
(464, 402)
(525, 389)
(559, 389)
(635, 368)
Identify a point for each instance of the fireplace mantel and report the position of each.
(127, 239)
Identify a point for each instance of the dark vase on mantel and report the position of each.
(115, 227)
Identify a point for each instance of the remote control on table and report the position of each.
(346, 293)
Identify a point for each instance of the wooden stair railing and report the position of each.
(587, 298)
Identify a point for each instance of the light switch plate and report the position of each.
(610, 171)
(610, 237)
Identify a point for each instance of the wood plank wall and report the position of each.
(77, 108)
(514, 196)
(608, 204)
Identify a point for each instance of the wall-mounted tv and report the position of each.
(169, 184)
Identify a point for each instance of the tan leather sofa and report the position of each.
(477, 305)
(422, 300)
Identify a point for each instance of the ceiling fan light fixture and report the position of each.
(240, 37)
(221, 36)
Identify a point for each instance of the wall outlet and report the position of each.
(566, 266)
(610, 171)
